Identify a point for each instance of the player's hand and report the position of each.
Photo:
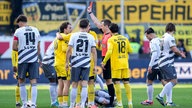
(183, 54)
(103, 65)
(89, 9)
(150, 69)
(59, 36)
(67, 66)
(95, 70)
(14, 69)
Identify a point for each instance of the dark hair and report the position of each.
(106, 22)
(149, 30)
(114, 28)
(170, 27)
(84, 23)
(63, 26)
(21, 18)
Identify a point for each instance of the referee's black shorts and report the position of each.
(107, 71)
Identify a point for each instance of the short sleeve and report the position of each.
(93, 44)
(71, 40)
(171, 41)
(153, 47)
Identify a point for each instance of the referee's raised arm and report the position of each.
(94, 18)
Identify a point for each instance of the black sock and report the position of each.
(111, 91)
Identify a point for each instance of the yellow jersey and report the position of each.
(60, 48)
(118, 49)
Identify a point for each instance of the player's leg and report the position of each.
(108, 78)
(78, 98)
(17, 96)
(84, 91)
(116, 75)
(125, 78)
(169, 74)
(75, 77)
(66, 89)
(33, 75)
(60, 71)
(50, 73)
(91, 92)
(22, 69)
(99, 80)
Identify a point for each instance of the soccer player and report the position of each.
(166, 64)
(118, 50)
(48, 68)
(91, 82)
(63, 75)
(81, 46)
(27, 43)
(104, 27)
(153, 69)
(15, 70)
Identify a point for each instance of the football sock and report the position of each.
(65, 100)
(23, 93)
(29, 93)
(78, 99)
(91, 94)
(111, 91)
(166, 88)
(118, 92)
(150, 92)
(83, 95)
(53, 93)
(17, 94)
(73, 95)
(99, 80)
(128, 91)
(169, 96)
(34, 93)
(60, 99)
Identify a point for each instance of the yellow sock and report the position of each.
(60, 99)
(128, 92)
(78, 98)
(17, 94)
(118, 92)
(65, 99)
(29, 93)
(91, 93)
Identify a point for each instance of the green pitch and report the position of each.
(181, 96)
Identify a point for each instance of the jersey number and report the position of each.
(121, 46)
(80, 44)
(30, 37)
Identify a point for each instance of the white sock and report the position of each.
(23, 93)
(33, 93)
(73, 95)
(169, 96)
(53, 93)
(150, 92)
(83, 95)
(166, 88)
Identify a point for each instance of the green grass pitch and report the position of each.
(182, 96)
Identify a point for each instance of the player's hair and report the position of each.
(84, 23)
(106, 22)
(170, 27)
(21, 18)
(149, 30)
(114, 28)
(63, 26)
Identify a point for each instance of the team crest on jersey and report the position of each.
(32, 12)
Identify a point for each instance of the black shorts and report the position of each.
(156, 74)
(107, 71)
(168, 72)
(49, 71)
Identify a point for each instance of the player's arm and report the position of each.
(94, 18)
(129, 48)
(173, 47)
(68, 54)
(15, 44)
(109, 52)
(154, 49)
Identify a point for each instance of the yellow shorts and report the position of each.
(121, 73)
(61, 72)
